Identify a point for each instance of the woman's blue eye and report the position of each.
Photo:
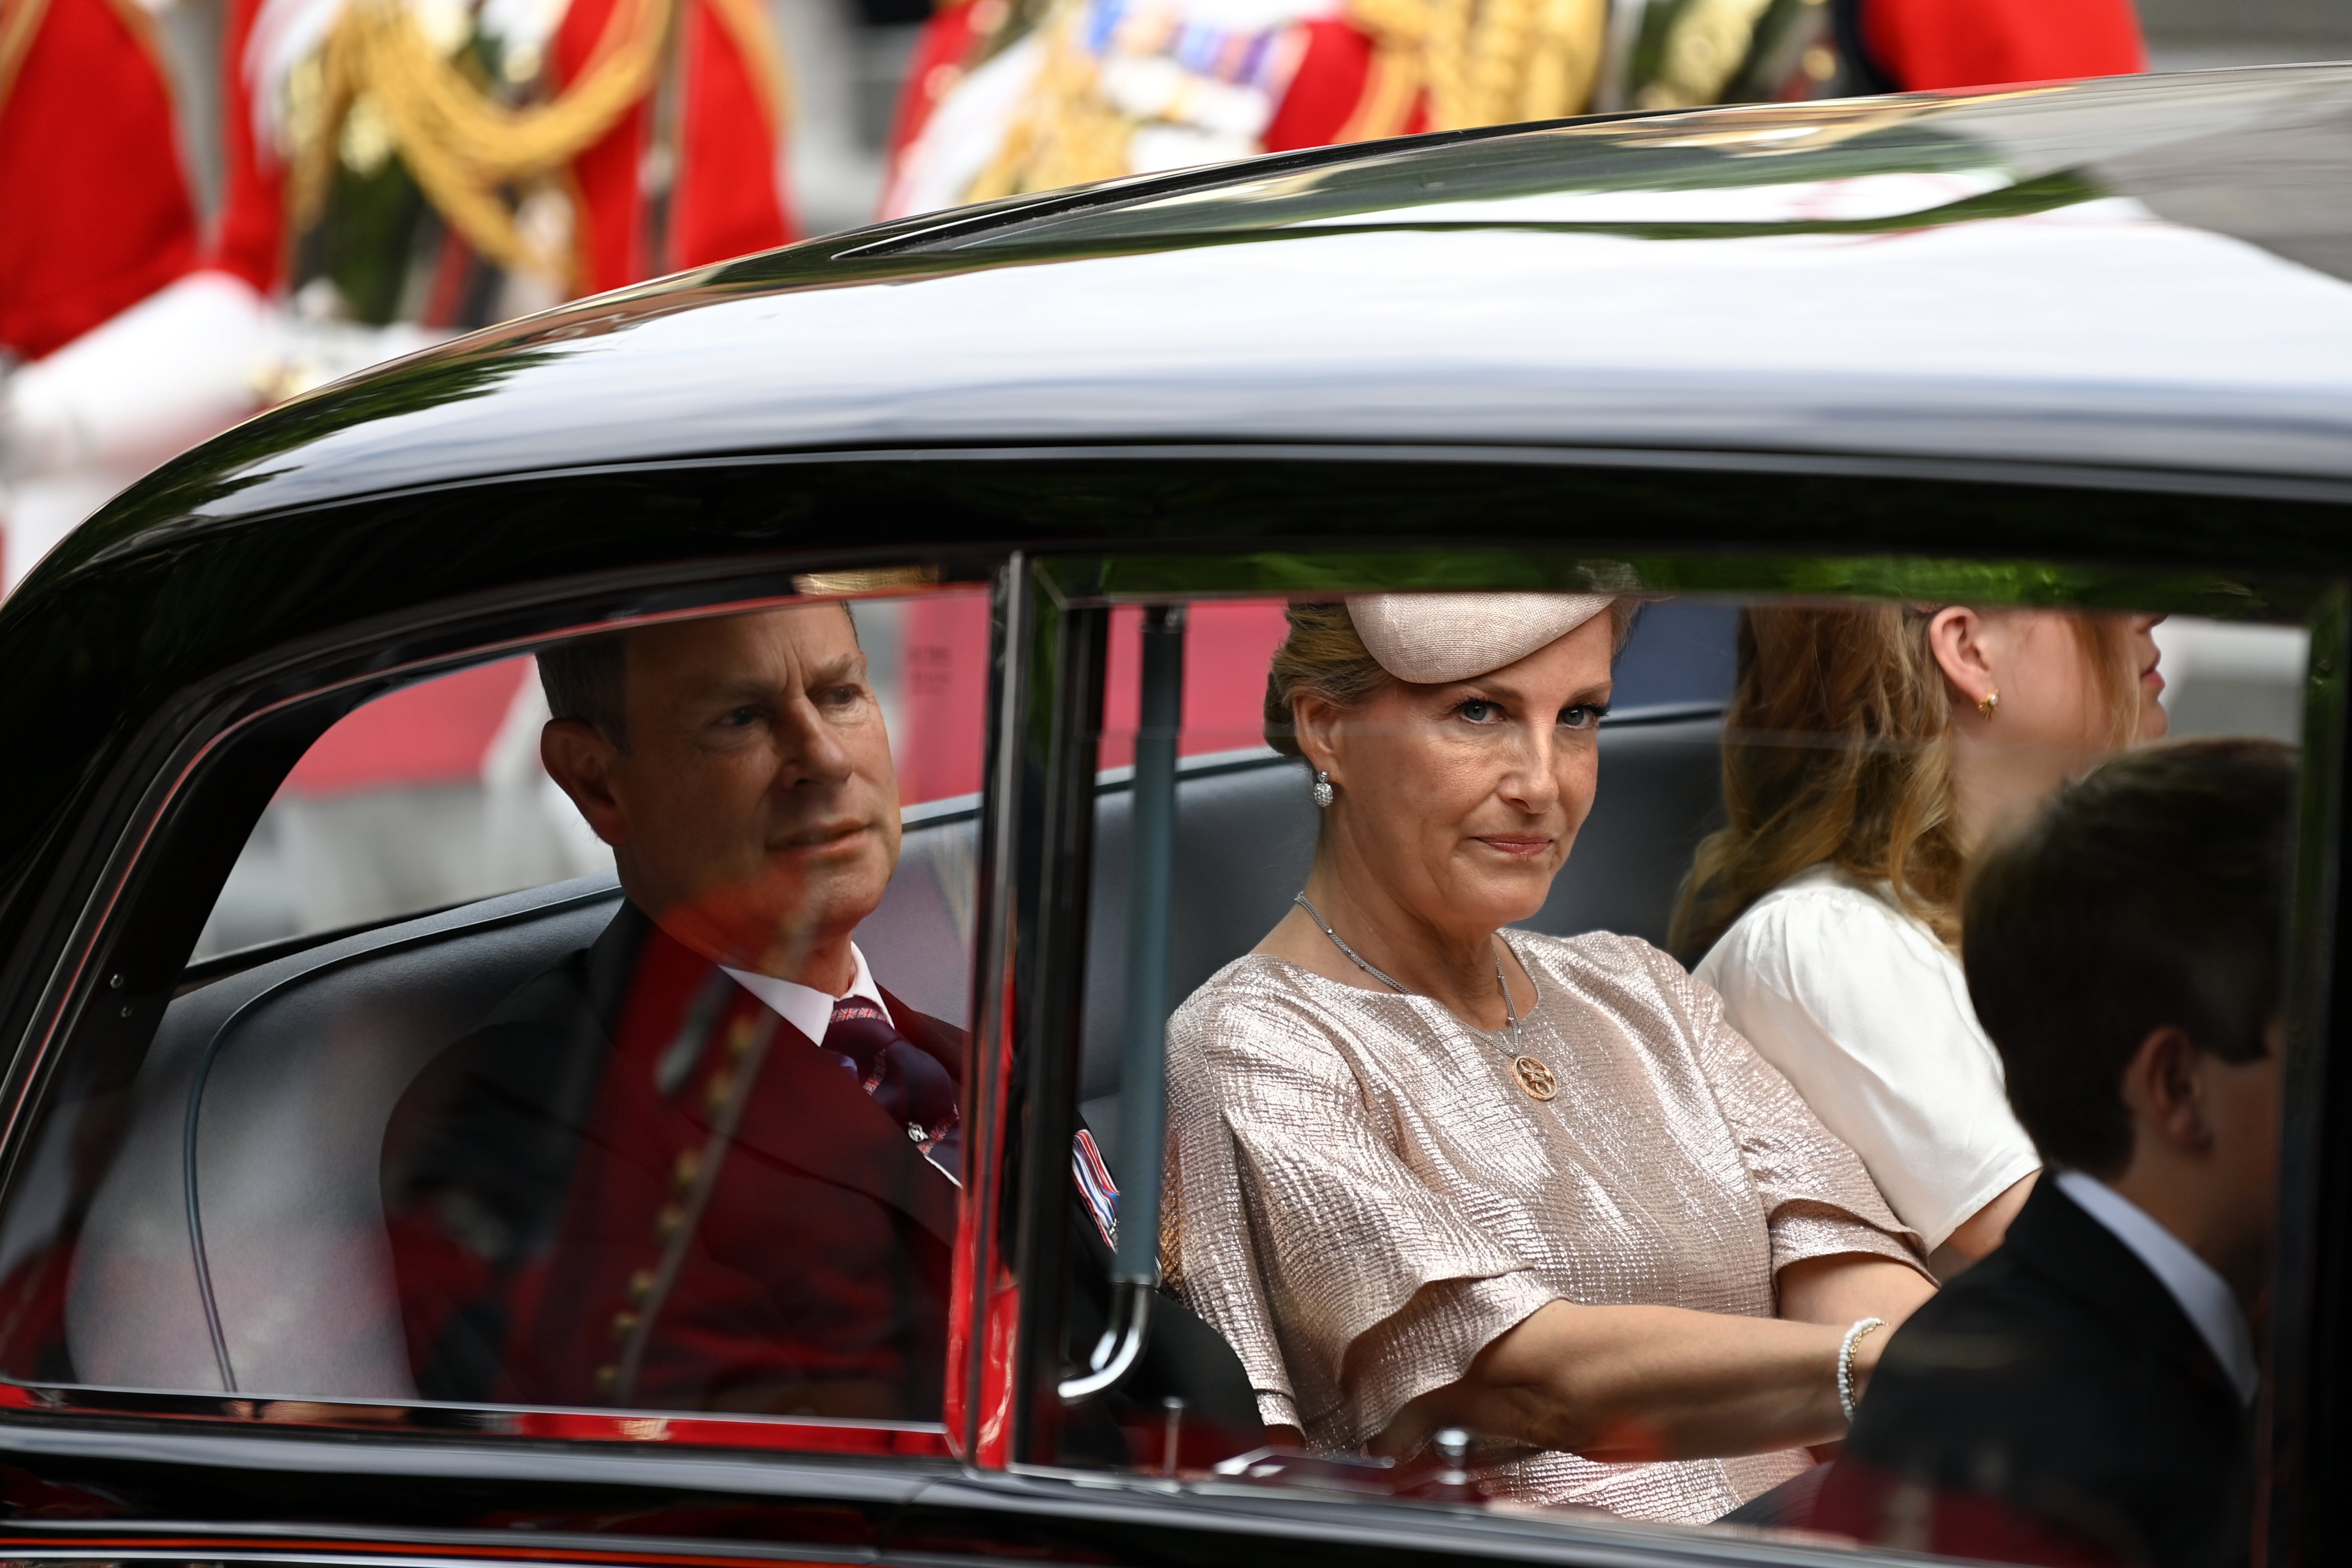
(1480, 712)
(1583, 715)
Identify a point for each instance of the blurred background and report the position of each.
(207, 206)
(210, 207)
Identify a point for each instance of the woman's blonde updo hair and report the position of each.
(1323, 657)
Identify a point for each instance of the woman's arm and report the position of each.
(1981, 1232)
(1627, 1383)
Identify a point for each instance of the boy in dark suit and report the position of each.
(2084, 1393)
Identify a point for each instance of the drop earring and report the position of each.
(1321, 792)
(1991, 701)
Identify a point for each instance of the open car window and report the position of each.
(1734, 1047)
(579, 1034)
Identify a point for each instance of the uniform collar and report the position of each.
(805, 1007)
(2204, 1297)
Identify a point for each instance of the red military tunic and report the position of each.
(638, 1186)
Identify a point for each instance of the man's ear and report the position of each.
(1955, 637)
(582, 763)
(2164, 1089)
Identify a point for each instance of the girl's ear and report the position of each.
(1956, 636)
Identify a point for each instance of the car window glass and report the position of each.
(496, 1115)
(1688, 1093)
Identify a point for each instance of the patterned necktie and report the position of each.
(910, 1085)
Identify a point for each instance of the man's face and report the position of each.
(755, 812)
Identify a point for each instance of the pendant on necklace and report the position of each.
(1535, 1078)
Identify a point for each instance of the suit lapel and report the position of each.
(809, 1114)
(2055, 1237)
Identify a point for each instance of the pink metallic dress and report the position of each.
(1362, 1196)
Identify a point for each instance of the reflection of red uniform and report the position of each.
(573, 1223)
(94, 212)
(1925, 44)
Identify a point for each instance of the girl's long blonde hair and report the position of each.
(1837, 750)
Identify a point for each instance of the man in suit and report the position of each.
(709, 1162)
(2084, 1394)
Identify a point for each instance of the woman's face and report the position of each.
(1461, 801)
(2053, 704)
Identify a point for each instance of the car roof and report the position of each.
(2143, 272)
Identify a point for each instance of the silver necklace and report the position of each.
(1534, 1077)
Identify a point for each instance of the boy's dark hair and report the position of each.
(2151, 892)
(586, 679)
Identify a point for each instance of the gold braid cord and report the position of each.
(1065, 131)
(1705, 46)
(20, 20)
(1482, 62)
(463, 147)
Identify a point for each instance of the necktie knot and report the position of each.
(909, 1084)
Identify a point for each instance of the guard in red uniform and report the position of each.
(1006, 97)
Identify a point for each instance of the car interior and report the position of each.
(284, 1166)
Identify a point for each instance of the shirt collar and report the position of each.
(2204, 1296)
(805, 1007)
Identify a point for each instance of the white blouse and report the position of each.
(1859, 1005)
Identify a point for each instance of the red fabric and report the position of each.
(1928, 44)
(727, 200)
(1228, 648)
(942, 53)
(94, 211)
(1324, 90)
(249, 235)
(612, 230)
(1868, 1505)
(944, 659)
(817, 1276)
(438, 732)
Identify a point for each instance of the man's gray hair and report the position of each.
(586, 679)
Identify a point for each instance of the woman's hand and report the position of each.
(1627, 1383)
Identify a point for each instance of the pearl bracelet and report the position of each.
(1854, 1336)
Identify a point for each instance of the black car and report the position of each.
(2077, 345)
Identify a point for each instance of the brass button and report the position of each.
(722, 1090)
(607, 1378)
(688, 1166)
(738, 1038)
(623, 1321)
(641, 1284)
(666, 1222)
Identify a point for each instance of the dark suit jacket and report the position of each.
(525, 1176)
(536, 1172)
(2053, 1404)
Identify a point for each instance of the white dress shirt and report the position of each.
(2204, 1296)
(805, 1007)
(1862, 1010)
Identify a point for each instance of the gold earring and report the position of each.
(1991, 701)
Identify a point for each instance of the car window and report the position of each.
(578, 1031)
(1726, 1044)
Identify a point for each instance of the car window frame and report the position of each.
(1076, 591)
(286, 703)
